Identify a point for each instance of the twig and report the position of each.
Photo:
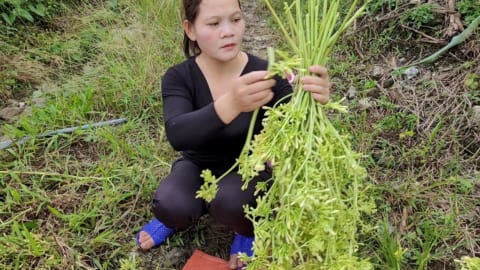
(432, 39)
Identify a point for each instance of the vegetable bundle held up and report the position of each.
(309, 216)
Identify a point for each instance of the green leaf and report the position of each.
(54, 211)
(9, 18)
(24, 14)
(209, 189)
(39, 9)
(30, 225)
(15, 194)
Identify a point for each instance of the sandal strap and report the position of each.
(157, 231)
(242, 244)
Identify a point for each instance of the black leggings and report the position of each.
(175, 205)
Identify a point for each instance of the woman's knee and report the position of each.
(227, 209)
(229, 202)
(175, 208)
(174, 201)
(231, 198)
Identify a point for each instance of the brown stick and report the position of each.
(429, 39)
(455, 24)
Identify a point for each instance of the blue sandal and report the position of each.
(242, 244)
(157, 231)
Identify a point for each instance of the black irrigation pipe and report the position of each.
(8, 144)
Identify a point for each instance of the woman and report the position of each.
(208, 101)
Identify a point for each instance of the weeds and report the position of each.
(389, 247)
(93, 186)
(419, 16)
(417, 152)
(469, 9)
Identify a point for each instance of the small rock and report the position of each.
(352, 92)
(377, 71)
(388, 83)
(411, 72)
(10, 113)
(476, 116)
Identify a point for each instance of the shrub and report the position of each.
(419, 16)
(470, 9)
(12, 11)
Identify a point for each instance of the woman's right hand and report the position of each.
(248, 93)
(251, 91)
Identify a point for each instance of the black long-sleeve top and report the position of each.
(191, 123)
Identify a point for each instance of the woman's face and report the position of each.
(218, 29)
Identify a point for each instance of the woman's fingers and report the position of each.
(258, 99)
(319, 93)
(261, 86)
(323, 99)
(254, 76)
(232, 263)
(318, 84)
(253, 91)
(319, 71)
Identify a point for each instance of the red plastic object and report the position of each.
(203, 261)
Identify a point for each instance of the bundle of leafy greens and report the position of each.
(309, 216)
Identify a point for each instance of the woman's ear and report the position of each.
(188, 28)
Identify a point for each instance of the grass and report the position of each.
(414, 134)
(76, 200)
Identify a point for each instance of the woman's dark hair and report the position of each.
(190, 13)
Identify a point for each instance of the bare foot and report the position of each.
(235, 262)
(145, 241)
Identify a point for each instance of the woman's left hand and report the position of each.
(318, 84)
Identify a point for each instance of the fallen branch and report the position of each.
(429, 39)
